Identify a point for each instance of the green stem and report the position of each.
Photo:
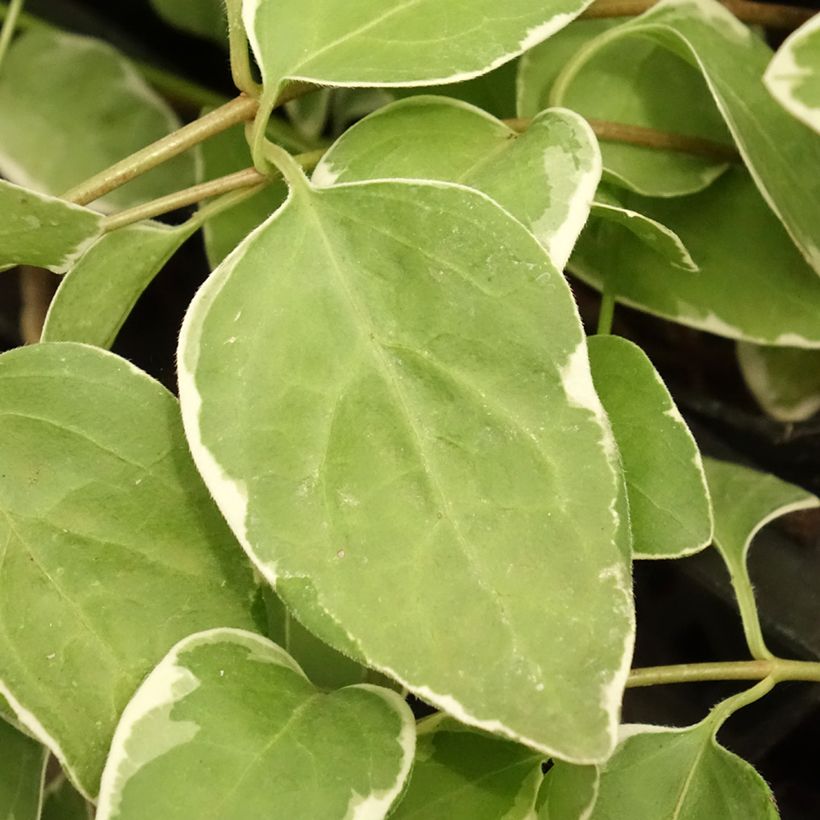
(607, 312)
(776, 668)
(222, 118)
(240, 56)
(728, 707)
(9, 26)
(742, 584)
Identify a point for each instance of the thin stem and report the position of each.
(728, 707)
(606, 313)
(786, 18)
(240, 56)
(9, 26)
(776, 668)
(222, 118)
(742, 584)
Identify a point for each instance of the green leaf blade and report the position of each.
(237, 706)
(22, 772)
(372, 440)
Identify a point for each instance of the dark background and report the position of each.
(686, 610)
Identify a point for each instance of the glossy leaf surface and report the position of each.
(71, 106)
(99, 292)
(43, 231)
(365, 387)
(113, 550)
(634, 83)
(784, 380)
(22, 769)
(238, 707)
(752, 283)
(669, 507)
(545, 177)
(462, 774)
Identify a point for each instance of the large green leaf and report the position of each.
(386, 388)
(744, 501)
(545, 177)
(462, 774)
(71, 106)
(43, 231)
(669, 506)
(237, 712)
(94, 300)
(205, 18)
(774, 145)
(793, 75)
(784, 380)
(112, 551)
(395, 42)
(658, 772)
(637, 83)
(22, 770)
(61, 801)
(221, 155)
(752, 283)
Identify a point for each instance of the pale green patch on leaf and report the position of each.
(744, 501)
(784, 380)
(100, 291)
(793, 75)
(658, 772)
(635, 83)
(732, 59)
(205, 18)
(221, 155)
(112, 552)
(545, 177)
(752, 284)
(386, 388)
(669, 506)
(71, 106)
(43, 231)
(237, 707)
(395, 42)
(462, 774)
(61, 801)
(22, 770)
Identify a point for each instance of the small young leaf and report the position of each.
(22, 770)
(659, 772)
(784, 380)
(744, 501)
(236, 711)
(395, 42)
(94, 300)
(635, 83)
(545, 177)
(732, 59)
(205, 18)
(223, 154)
(752, 283)
(386, 388)
(43, 231)
(669, 506)
(61, 801)
(71, 106)
(462, 774)
(113, 549)
(793, 75)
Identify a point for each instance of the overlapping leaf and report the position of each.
(752, 284)
(112, 550)
(793, 75)
(462, 774)
(61, 801)
(545, 177)
(744, 501)
(387, 390)
(669, 507)
(236, 708)
(784, 380)
(732, 60)
(635, 83)
(71, 106)
(22, 770)
(205, 18)
(43, 231)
